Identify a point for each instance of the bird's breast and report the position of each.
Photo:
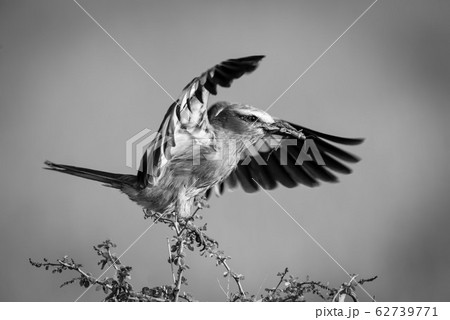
(188, 174)
(203, 165)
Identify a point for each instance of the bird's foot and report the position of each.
(198, 235)
(201, 202)
(147, 213)
(157, 216)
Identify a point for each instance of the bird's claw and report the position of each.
(200, 237)
(201, 202)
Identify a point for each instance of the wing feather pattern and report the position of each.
(187, 116)
(253, 175)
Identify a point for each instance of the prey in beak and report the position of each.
(283, 128)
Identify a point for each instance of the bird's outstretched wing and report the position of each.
(290, 162)
(187, 116)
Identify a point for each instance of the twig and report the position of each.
(228, 287)
(179, 272)
(170, 260)
(286, 270)
(179, 261)
(346, 289)
(236, 277)
(362, 281)
(113, 259)
(72, 266)
(185, 297)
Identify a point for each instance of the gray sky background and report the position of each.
(70, 95)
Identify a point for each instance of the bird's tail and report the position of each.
(109, 179)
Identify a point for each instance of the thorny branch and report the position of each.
(187, 236)
(178, 259)
(237, 277)
(170, 261)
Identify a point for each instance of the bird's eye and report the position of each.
(252, 118)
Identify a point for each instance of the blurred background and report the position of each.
(69, 94)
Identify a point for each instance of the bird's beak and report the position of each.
(283, 128)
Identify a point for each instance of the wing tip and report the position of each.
(52, 166)
(357, 140)
(257, 57)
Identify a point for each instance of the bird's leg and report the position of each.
(202, 239)
(200, 202)
(197, 234)
(147, 213)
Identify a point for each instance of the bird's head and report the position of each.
(249, 122)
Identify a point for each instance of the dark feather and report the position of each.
(335, 151)
(335, 165)
(329, 137)
(280, 173)
(245, 178)
(291, 174)
(299, 173)
(262, 175)
(114, 180)
(232, 181)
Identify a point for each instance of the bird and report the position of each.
(201, 150)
